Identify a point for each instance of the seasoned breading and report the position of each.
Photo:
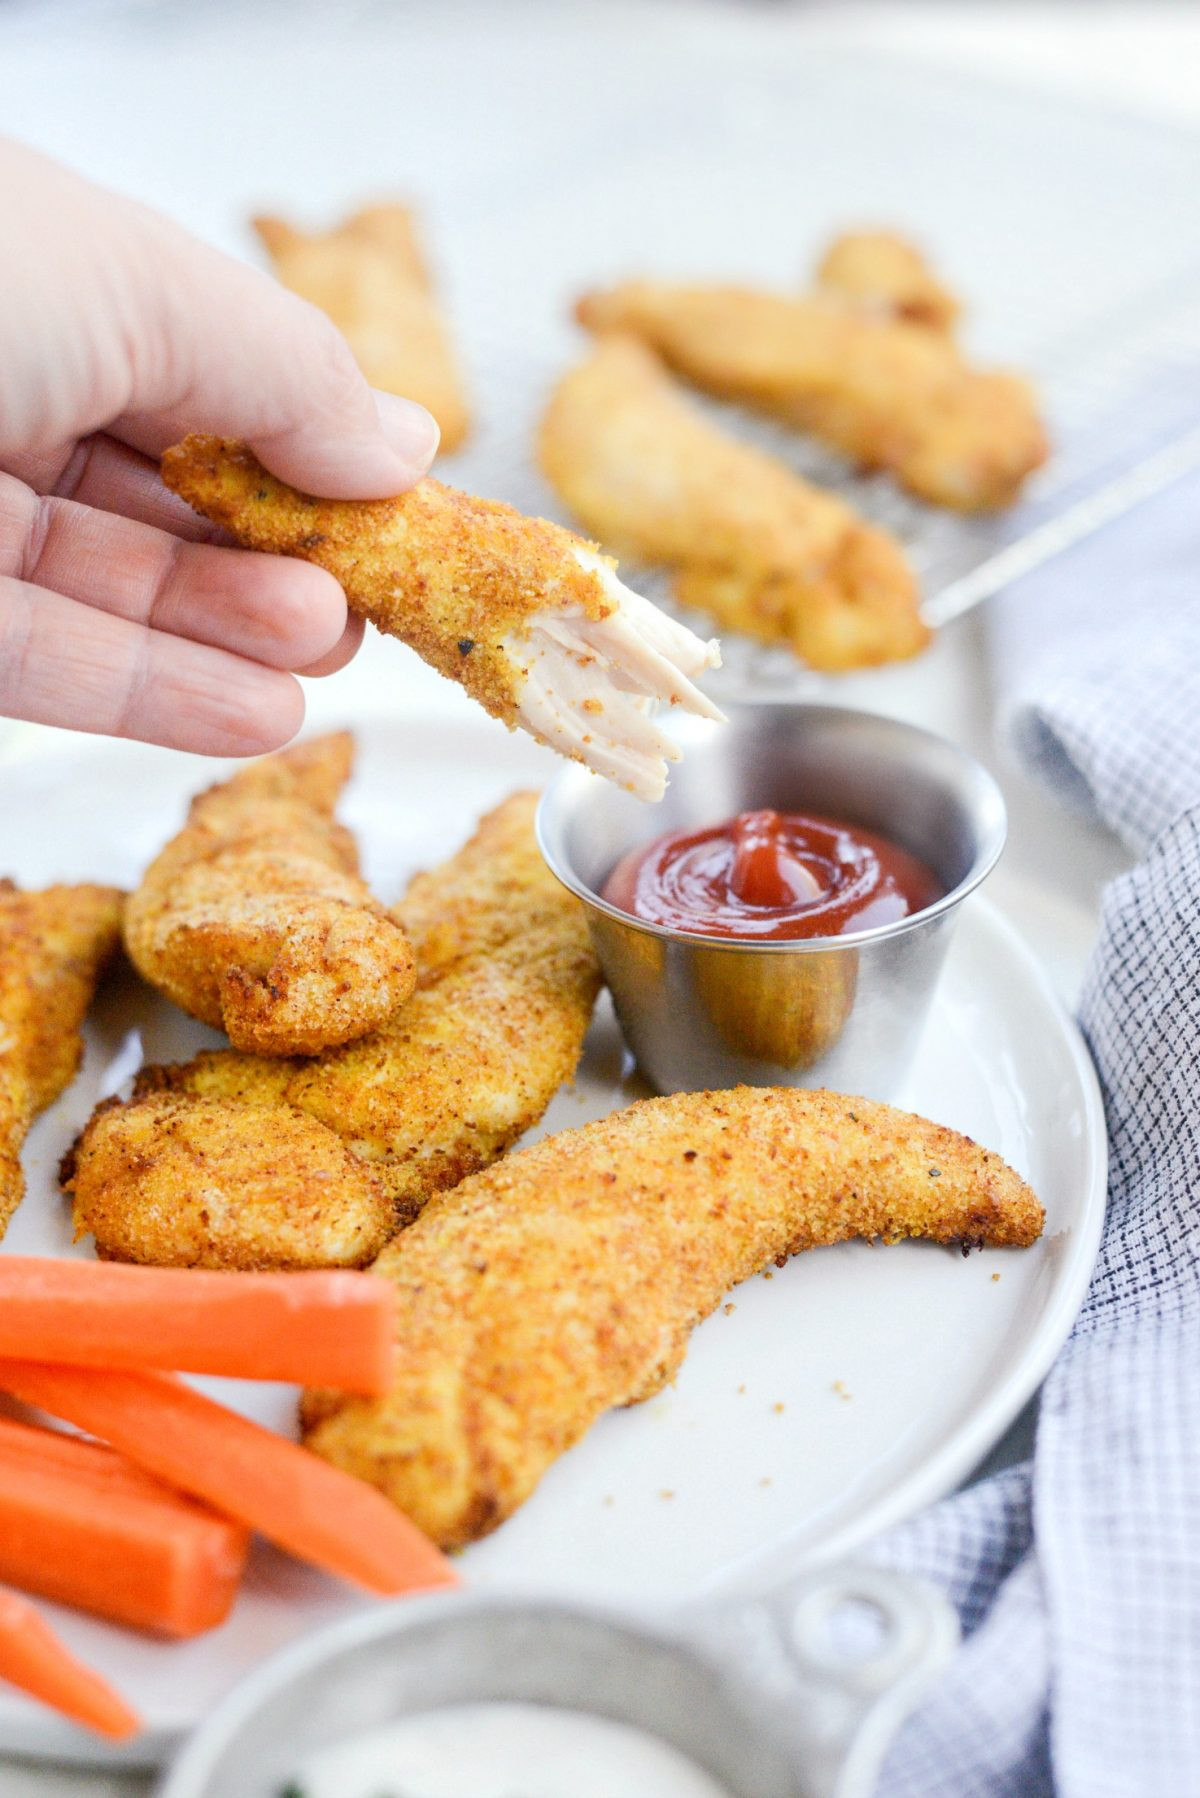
(471, 1063)
(758, 548)
(567, 1279)
(506, 984)
(369, 276)
(254, 919)
(53, 948)
(164, 1181)
(889, 393)
(884, 271)
(522, 614)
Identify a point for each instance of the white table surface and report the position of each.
(1144, 59)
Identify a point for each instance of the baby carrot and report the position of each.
(315, 1329)
(33, 1658)
(80, 1525)
(315, 1511)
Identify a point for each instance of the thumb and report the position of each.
(228, 350)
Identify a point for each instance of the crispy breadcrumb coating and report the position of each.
(567, 1279)
(521, 613)
(752, 544)
(884, 271)
(254, 919)
(506, 984)
(53, 949)
(369, 276)
(164, 1181)
(891, 394)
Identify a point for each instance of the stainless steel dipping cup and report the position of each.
(766, 1694)
(843, 1012)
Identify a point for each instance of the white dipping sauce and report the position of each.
(504, 1751)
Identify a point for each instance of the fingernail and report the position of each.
(410, 430)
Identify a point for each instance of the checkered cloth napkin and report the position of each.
(1077, 1575)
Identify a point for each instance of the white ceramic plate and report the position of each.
(824, 1402)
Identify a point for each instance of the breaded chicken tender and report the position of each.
(163, 1181)
(522, 614)
(53, 948)
(507, 980)
(506, 984)
(369, 276)
(254, 919)
(567, 1279)
(889, 393)
(886, 273)
(752, 544)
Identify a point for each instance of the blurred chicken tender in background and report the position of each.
(752, 544)
(886, 392)
(888, 275)
(369, 275)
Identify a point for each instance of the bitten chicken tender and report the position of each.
(164, 1181)
(506, 984)
(752, 544)
(522, 614)
(53, 948)
(885, 272)
(369, 276)
(567, 1279)
(889, 393)
(254, 919)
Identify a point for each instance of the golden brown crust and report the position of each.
(368, 275)
(253, 917)
(567, 1279)
(887, 273)
(759, 549)
(53, 947)
(452, 576)
(891, 394)
(495, 893)
(186, 1182)
(506, 984)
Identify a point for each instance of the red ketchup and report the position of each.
(771, 875)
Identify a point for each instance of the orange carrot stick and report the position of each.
(33, 1658)
(81, 1526)
(315, 1511)
(316, 1329)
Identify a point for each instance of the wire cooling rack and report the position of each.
(1123, 405)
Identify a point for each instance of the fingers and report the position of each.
(229, 350)
(271, 609)
(67, 664)
(109, 475)
(119, 321)
(343, 651)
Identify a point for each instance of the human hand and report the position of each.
(118, 334)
